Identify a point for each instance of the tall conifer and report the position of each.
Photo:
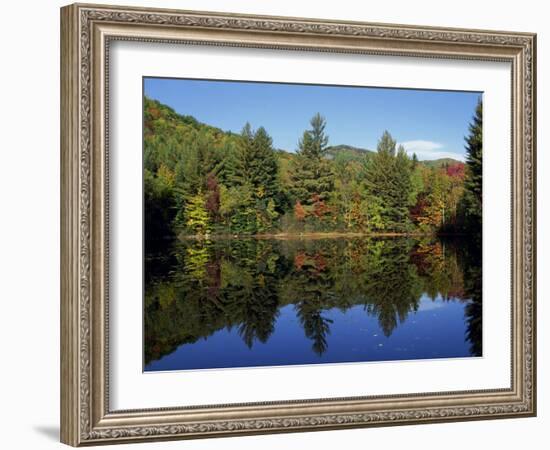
(388, 179)
(311, 176)
(474, 171)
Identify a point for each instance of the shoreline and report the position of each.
(305, 235)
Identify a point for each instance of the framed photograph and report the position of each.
(275, 224)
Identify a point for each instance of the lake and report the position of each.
(245, 302)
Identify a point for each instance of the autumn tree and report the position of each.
(196, 216)
(299, 211)
(246, 186)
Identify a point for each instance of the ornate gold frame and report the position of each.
(86, 31)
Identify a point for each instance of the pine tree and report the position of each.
(386, 144)
(404, 192)
(414, 161)
(254, 164)
(198, 160)
(311, 176)
(317, 145)
(239, 161)
(472, 200)
(264, 170)
(388, 178)
(253, 168)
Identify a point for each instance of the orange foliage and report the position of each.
(299, 260)
(299, 211)
(320, 208)
(320, 262)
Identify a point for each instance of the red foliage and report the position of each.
(313, 264)
(457, 292)
(456, 170)
(417, 210)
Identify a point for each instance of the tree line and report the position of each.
(199, 180)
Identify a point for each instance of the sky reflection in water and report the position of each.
(267, 303)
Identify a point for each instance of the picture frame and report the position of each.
(87, 33)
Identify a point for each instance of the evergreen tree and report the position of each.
(317, 144)
(238, 167)
(311, 176)
(254, 164)
(265, 168)
(472, 200)
(253, 177)
(386, 144)
(414, 161)
(404, 192)
(159, 208)
(248, 187)
(388, 179)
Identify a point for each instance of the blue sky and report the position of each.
(430, 123)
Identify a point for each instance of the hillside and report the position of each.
(199, 179)
(182, 123)
(437, 163)
(347, 150)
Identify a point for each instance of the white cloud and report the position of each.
(427, 304)
(428, 150)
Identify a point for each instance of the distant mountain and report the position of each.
(358, 152)
(441, 162)
(350, 152)
(347, 150)
(184, 124)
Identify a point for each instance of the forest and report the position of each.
(200, 181)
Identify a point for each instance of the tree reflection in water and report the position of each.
(204, 286)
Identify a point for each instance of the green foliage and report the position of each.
(472, 201)
(199, 179)
(388, 178)
(196, 217)
(252, 200)
(233, 179)
(202, 181)
(346, 151)
(159, 205)
(254, 163)
(243, 283)
(386, 144)
(414, 161)
(311, 176)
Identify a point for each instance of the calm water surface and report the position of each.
(266, 302)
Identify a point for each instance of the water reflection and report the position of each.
(245, 302)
